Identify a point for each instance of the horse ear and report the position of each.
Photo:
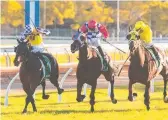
(130, 28)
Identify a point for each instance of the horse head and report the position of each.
(136, 46)
(21, 50)
(79, 40)
(134, 40)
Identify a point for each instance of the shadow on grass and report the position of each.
(65, 111)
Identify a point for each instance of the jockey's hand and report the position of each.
(48, 32)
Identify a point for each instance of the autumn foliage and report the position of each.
(74, 13)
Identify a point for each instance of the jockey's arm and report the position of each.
(103, 30)
(42, 31)
(24, 36)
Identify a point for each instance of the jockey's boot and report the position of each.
(105, 64)
(156, 53)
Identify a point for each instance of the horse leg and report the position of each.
(33, 103)
(114, 101)
(92, 97)
(43, 84)
(79, 90)
(29, 99)
(130, 97)
(165, 92)
(146, 95)
(165, 78)
(55, 83)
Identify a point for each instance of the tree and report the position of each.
(12, 13)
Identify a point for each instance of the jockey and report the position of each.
(94, 32)
(145, 33)
(34, 36)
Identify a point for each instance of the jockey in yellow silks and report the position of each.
(145, 33)
(34, 36)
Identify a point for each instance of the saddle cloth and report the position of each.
(46, 67)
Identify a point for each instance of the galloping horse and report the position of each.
(32, 73)
(143, 67)
(88, 71)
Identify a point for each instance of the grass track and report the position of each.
(69, 109)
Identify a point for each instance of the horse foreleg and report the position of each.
(44, 96)
(33, 103)
(27, 100)
(79, 90)
(92, 97)
(165, 92)
(114, 101)
(130, 97)
(146, 95)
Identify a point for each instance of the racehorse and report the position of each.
(31, 72)
(143, 67)
(88, 71)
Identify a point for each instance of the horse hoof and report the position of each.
(60, 91)
(135, 94)
(148, 108)
(45, 96)
(130, 98)
(24, 111)
(34, 110)
(80, 99)
(166, 99)
(114, 101)
(83, 97)
(92, 109)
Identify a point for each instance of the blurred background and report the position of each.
(63, 18)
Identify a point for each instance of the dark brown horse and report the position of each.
(31, 72)
(88, 71)
(143, 68)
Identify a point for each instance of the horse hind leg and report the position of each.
(54, 81)
(44, 96)
(114, 101)
(165, 78)
(80, 97)
(165, 92)
(146, 95)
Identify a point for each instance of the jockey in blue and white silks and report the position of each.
(34, 36)
(94, 32)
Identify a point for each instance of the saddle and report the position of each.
(94, 53)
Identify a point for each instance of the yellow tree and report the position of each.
(12, 13)
(58, 11)
(92, 10)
